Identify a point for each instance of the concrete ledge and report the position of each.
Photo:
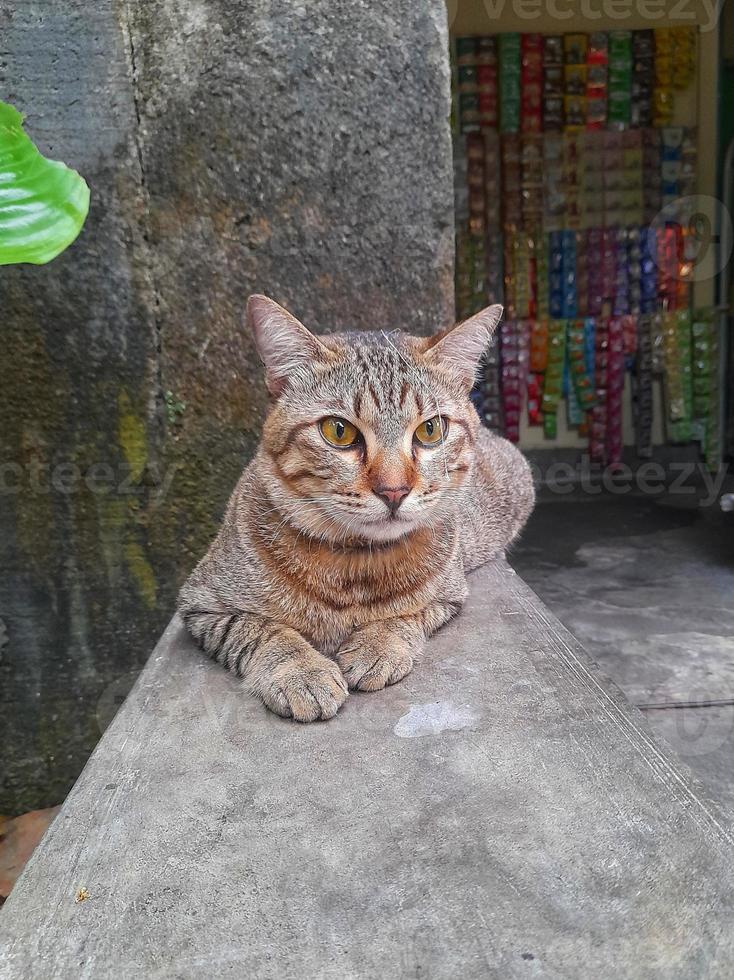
(503, 813)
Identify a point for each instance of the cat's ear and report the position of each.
(460, 348)
(285, 346)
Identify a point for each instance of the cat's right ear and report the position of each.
(460, 348)
(285, 346)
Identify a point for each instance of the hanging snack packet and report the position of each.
(509, 79)
(552, 83)
(620, 79)
(596, 81)
(643, 77)
(642, 404)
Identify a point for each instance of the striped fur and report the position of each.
(312, 585)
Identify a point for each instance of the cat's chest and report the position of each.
(327, 625)
(325, 594)
(327, 610)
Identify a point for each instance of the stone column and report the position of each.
(231, 146)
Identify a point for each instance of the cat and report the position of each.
(347, 540)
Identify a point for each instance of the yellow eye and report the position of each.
(431, 432)
(339, 432)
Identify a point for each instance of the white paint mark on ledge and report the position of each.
(434, 718)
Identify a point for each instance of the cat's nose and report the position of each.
(393, 496)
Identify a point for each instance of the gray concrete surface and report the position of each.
(231, 146)
(502, 813)
(647, 585)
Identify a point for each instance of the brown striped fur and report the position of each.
(313, 586)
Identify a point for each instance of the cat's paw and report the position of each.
(305, 689)
(376, 664)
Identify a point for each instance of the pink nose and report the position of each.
(393, 496)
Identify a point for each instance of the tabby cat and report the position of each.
(373, 492)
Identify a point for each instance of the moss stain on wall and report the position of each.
(132, 435)
(142, 573)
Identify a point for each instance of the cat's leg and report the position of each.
(381, 653)
(278, 666)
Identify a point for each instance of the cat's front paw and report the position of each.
(376, 663)
(305, 688)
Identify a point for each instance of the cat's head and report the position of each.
(370, 435)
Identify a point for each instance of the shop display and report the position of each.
(569, 182)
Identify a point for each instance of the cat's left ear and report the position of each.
(285, 346)
(460, 348)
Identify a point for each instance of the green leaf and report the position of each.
(43, 204)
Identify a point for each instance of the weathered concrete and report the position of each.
(647, 585)
(300, 150)
(231, 146)
(501, 813)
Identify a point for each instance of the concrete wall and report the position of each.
(231, 146)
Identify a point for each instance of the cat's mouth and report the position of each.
(389, 527)
(392, 517)
(402, 519)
